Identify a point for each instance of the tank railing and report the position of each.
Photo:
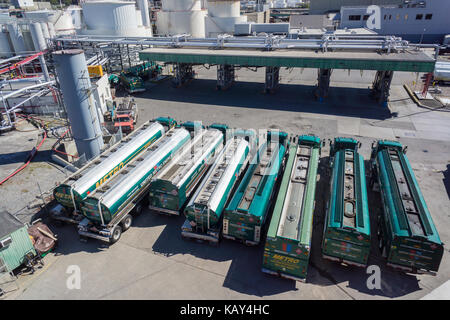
(325, 43)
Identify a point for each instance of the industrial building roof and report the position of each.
(8, 224)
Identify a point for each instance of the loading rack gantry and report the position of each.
(384, 54)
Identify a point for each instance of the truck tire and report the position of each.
(138, 209)
(126, 222)
(116, 233)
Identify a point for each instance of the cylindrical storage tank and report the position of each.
(181, 5)
(110, 17)
(45, 31)
(51, 29)
(224, 8)
(75, 84)
(218, 25)
(138, 18)
(38, 38)
(17, 40)
(5, 48)
(143, 6)
(191, 22)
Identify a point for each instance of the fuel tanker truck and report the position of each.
(71, 192)
(108, 210)
(204, 210)
(173, 185)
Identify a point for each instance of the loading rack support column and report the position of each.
(272, 79)
(381, 86)
(323, 83)
(183, 74)
(225, 76)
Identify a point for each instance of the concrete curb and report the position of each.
(416, 101)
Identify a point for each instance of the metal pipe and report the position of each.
(26, 89)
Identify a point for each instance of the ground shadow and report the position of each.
(244, 274)
(22, 157)
(349, 102)
(446, 179)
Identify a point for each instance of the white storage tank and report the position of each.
(5, 48)
(181, 17)
(17, 38)
(181, 5)
(118, 18)
(224, 8)
(222, 16)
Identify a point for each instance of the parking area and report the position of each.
(152, 261)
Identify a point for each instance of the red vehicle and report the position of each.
(126, 115)
(124, 121)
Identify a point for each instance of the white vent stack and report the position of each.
(60, 21)
(39, 45)
(6, 50)
(143, 7)
(222, 16)
(113, 18)
(45, 31)
(181, 17)
(17, 40)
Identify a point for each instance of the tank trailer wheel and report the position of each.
(116, 233)
(138, 209)
(126, 222)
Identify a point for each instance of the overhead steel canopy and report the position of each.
(413, 61)
(331, 51)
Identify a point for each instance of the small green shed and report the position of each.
(15, 243)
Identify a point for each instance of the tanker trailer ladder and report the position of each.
(108, 210)
(407, 235)
(172, 186)
(204, 210)
(288, 241)
(346, 236)
(70, 193)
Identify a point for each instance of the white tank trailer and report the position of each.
(108, 210)
(72, 192)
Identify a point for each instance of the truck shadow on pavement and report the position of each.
(341, 101)
(71, 243)
(446, 179)
(243, 275)
(393, 283)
